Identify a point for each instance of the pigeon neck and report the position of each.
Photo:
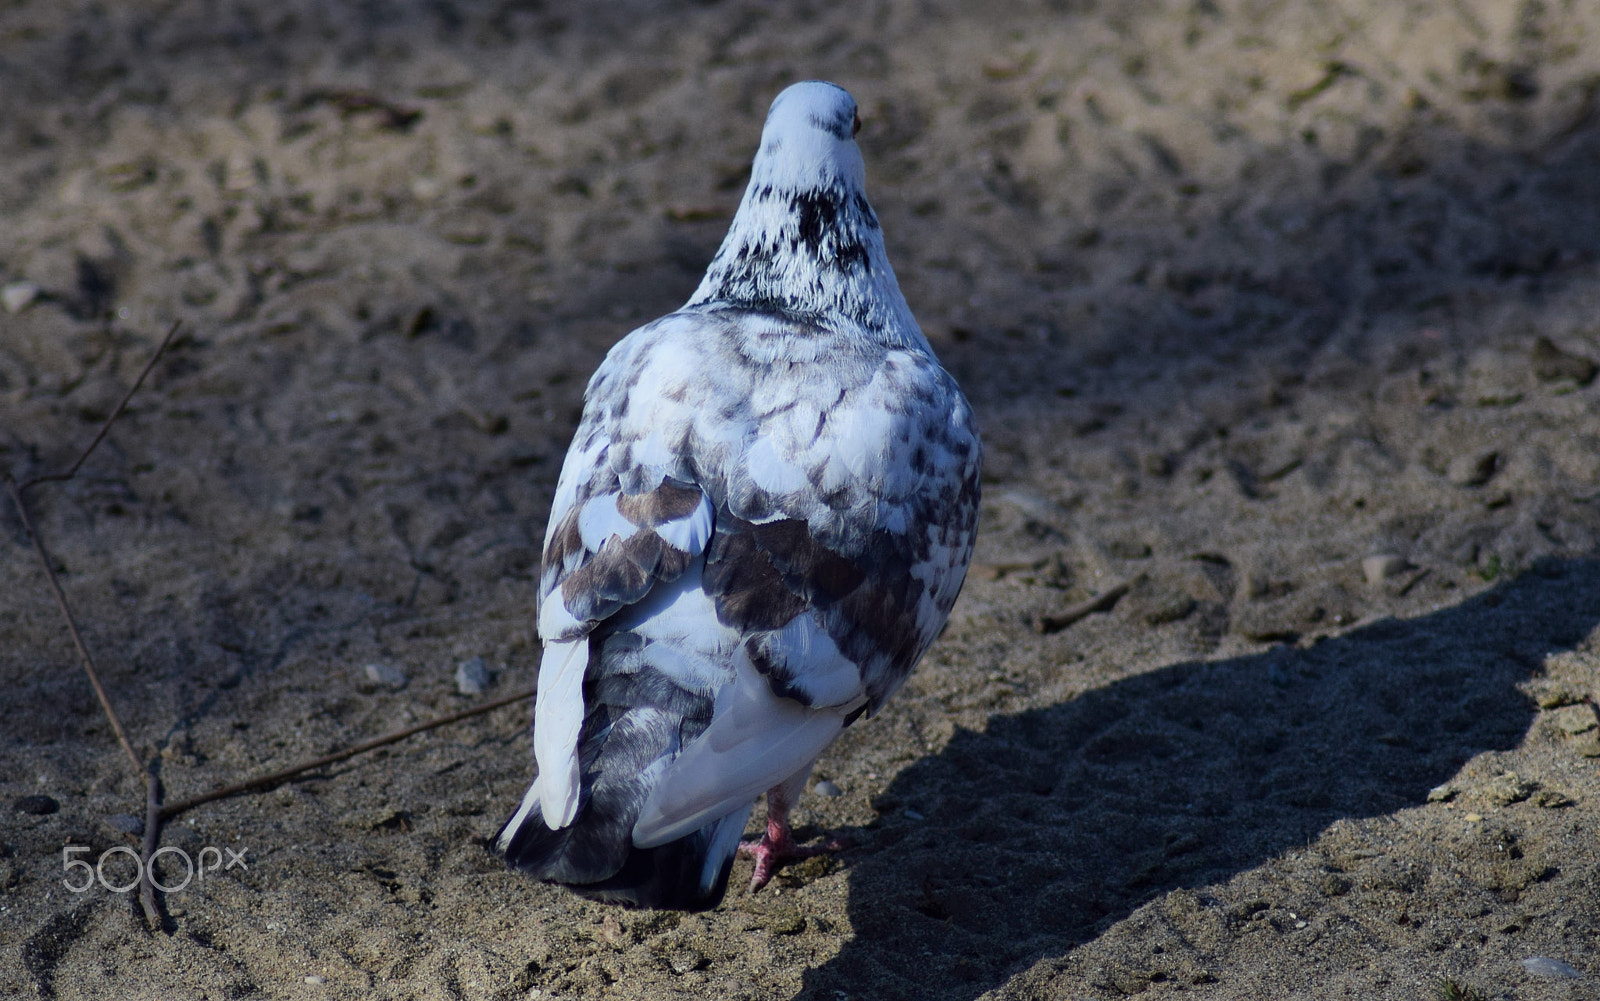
(815, 252)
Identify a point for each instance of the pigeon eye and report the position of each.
(857, 126)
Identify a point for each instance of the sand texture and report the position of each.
(1285, 314)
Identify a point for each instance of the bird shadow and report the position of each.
(1031, 837)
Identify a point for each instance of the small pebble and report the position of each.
(685, 960)
(826, 788)
(1128, 549)
(1575, 719)
(1551, 363)
(1473, 818)
(1541, 966)
(18, 296)
(1555, 698)
(787, 922)
(1510, 788)
(1442, 793)
(39, 806)
(472, 676)
(127, 823)
(387, 675)
(914, 815)
(314, 979)
(1473, 470)
(1334, 885)
(1383, 566)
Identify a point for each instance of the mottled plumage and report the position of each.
(763, 521)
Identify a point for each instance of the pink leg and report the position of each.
(777, 846)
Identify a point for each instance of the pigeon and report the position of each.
(765, 516)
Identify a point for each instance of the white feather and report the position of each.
(557, 717)
(599, 520)
(771, 471)
(577, 468)
(555, 622)
(819, 669)
(655, 453)
(689, 642)
(861, 441)
(755, 741)
(691, 532)
(714, 433)
(773, 416)
(530, 803)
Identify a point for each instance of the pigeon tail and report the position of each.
(689, 874)
(644, 700)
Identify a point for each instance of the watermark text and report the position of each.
(195, 867)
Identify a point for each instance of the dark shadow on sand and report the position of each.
(1052, 824)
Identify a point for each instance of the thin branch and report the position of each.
(274, 778)
(106, 427)
(72, 624)
(18, 492)
(155, 811)
(1099, 603)
(152, 838)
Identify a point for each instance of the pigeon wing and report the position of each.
(606, 550)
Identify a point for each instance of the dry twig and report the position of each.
(275, 778)
(19, 497)
(155, 811)
(1103, 602)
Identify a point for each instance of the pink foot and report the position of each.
(777, 848)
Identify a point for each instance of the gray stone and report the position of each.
(1542, 966)
(1473, 470)
(826, 788)
(472, 676)
(18, 296)
(386, 675)
(127, 823)
(1384, 566)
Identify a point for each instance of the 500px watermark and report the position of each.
(194, 867)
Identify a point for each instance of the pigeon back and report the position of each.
(763, 521)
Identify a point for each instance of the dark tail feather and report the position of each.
(531, 846)
(690, 874)
(637, 716)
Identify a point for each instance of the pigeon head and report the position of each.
(805, 241)
(809, 140)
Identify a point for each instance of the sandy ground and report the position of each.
(1245, 292)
